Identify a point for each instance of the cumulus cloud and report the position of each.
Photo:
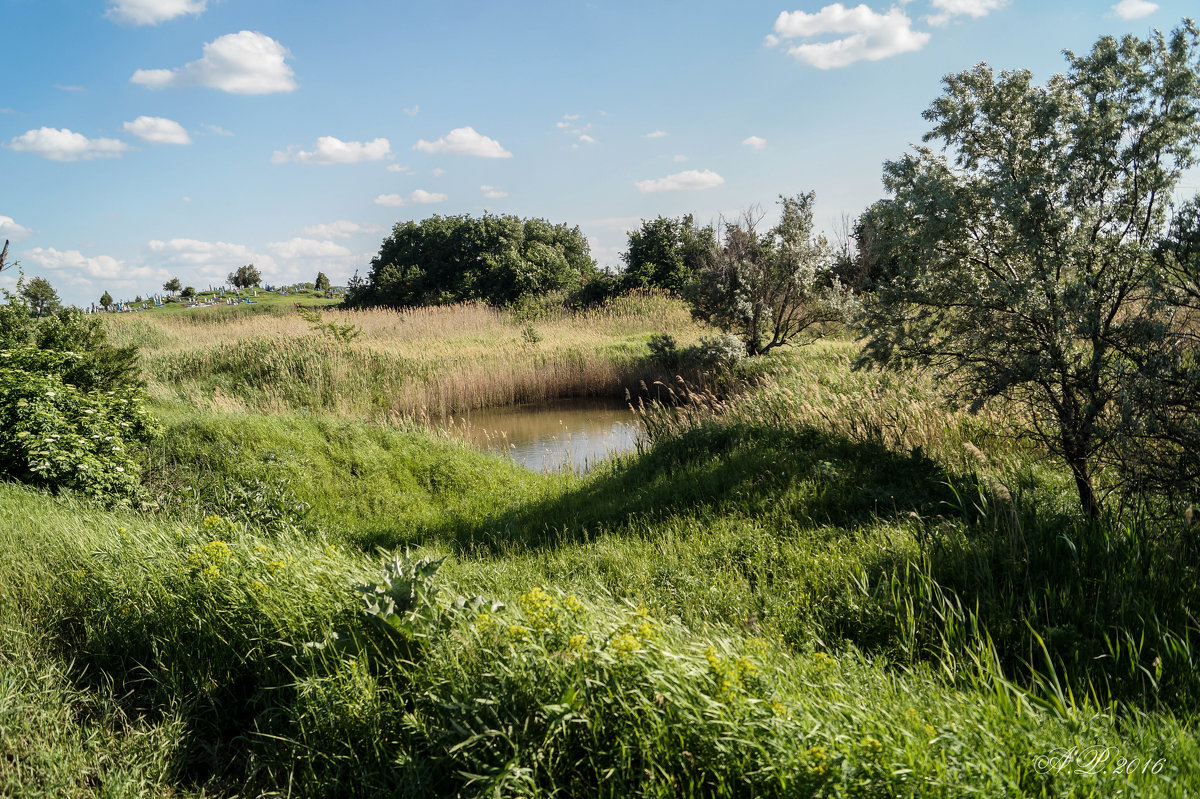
(1134, 9)
(656, 134)
(418, 197)
(239, 63)
(412, 112)
(307, 248)
(402, 168)
(679, 159)
(969, 8)
(437, 171)
(586, 139)
(66, 145)
(157, 130)
(152, 12)
(870, 36)
(464, 141)
(76, 264)
(688, 180)
(331, 150)
(9, 229)
(214, 259)
(491, 192)
(342, 228)
(755, 142)
(217, 129)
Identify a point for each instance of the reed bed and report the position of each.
(414, 364)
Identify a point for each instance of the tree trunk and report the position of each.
(1083, 484)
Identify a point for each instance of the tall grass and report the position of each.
(420, 363)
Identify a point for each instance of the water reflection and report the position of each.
(546, 437)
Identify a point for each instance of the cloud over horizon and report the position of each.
(157, 130)
(66, 145)
(871, 36)
(464, 141)
(418, 197)
(1134, 9)
(332, 150)
(152, 12)
(246, 62)
(688, 180)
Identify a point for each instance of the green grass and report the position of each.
(830, 586)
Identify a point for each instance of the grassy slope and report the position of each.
(815, 566)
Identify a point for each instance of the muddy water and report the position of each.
(575, 433)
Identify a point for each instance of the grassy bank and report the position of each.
(422, 363)
(829, 586)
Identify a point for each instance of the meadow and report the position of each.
(823, 583)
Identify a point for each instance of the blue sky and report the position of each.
(143, 139)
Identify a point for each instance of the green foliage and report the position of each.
(106, 299)
(172, 286)
(774, 288)
(1025, 257)
(715, 354)
(189, 292)
(244, 277)
(40, 295)
(666, 253)
(342, 332)
(322, 282)
(63, 430)
(496, 259)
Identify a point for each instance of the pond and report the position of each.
(572, 433)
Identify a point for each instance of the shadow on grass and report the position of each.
(742, 469)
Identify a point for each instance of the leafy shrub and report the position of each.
(61, 428)
(720, 353)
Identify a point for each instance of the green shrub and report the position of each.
(63, 430)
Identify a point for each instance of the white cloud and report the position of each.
(404, 168)
(66, 145)
(217, 129)
(688, 180)
(872, 36)
(240, 63)
(561, 125)
(412, 112)
(418, 197)
(9, 229)
(152, 12)
(157, 130)
(464, 141)
(755, 142)
(332, 150)
(9, 111)
(216, 256)
(76, 264)
(571, 117)
(656, 134)
(437, 171)
(65, 88)
(185, 199)
(969, 8)
(493, 193)
(340, 229)
(308, 248)
(679, 159)
(1134, 9)
(586, 139)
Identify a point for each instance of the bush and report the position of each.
(496, 259)
(720, 353)
(63, 431)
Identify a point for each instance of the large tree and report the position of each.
(1026, 251)
(173, 286)
(665, 253)
(496, 259)
(244, 277)
(773, 288)
(41, 296)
